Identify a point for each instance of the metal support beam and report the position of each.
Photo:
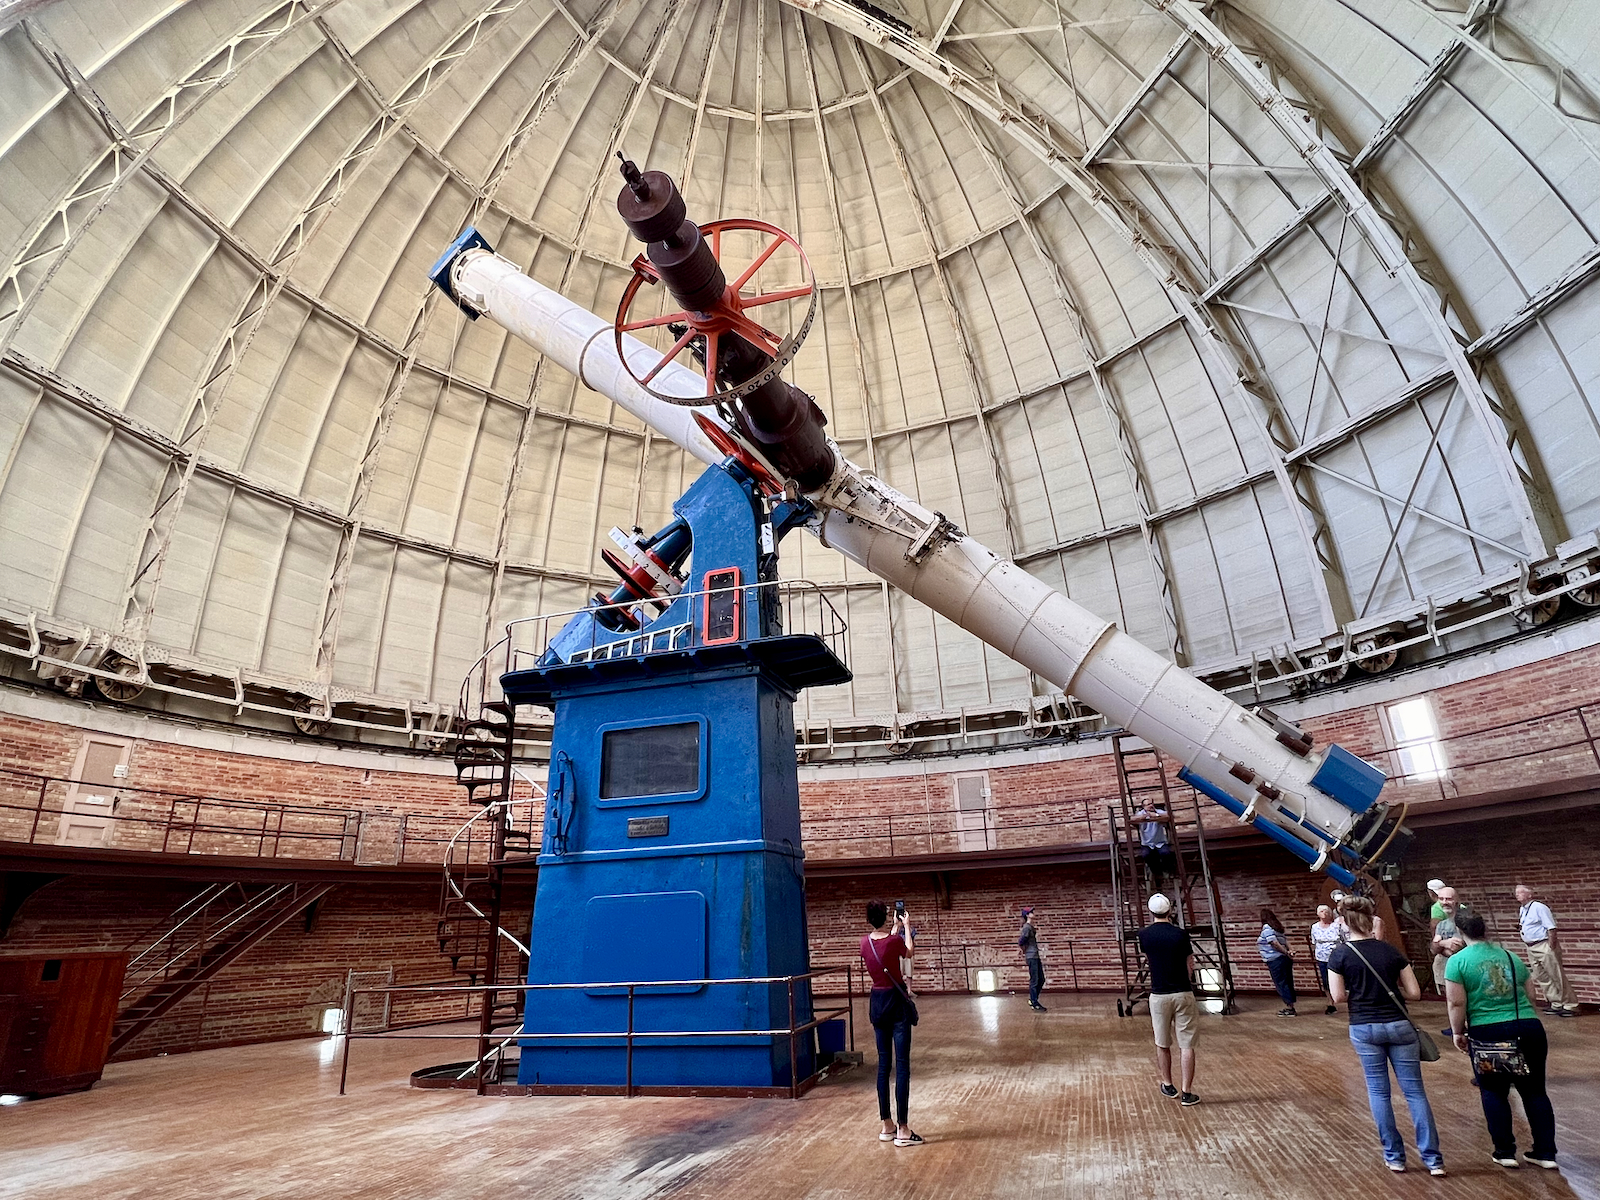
(1497, 418)
(1436, 70)
(344, 559)
(52, 239)
(1146, 86)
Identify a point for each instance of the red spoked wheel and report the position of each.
(730, 315)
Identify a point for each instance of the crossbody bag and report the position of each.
(1427, 1048)
(1502, 1057)
(911, 1005)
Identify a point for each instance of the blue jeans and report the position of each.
(1035, 979)
(1282, 971)
(1388, 1044)
(891, 1026)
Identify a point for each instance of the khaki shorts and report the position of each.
(1174, 1011)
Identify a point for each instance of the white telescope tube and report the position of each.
(1232, 756)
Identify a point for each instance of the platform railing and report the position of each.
(631, 1036)
(1539, 750)
(799, 607)
(167, 821)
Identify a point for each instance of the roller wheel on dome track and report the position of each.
(731, 315)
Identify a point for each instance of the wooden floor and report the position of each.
(1012, 1103)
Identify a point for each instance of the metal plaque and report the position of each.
(639, 827)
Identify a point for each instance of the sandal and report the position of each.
(885, 1137)
(913, 1139)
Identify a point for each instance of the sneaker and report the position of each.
(1188, 1099)
(1397, 1168)
(1287, 1012)
(1549, 1010)
(1331, 1009)
(1509, 1164)
(913, 1139)
(1549, 1164)
(1566, 1012)
(1436, 1171)
(1170, 1092)
(1040, 1008)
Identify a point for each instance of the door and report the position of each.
(91, 800)
(974, 829)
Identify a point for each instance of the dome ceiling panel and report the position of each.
(1557, 369)
(985, 338)
(299, 584)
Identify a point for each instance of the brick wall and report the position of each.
(1035, 803)
(280, 987)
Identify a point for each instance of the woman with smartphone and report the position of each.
(892, 1013)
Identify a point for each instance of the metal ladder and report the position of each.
(1142, 773)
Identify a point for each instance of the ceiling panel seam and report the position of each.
(952, 310)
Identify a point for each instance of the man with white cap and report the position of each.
(1173, 1010)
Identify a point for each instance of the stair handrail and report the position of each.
(468, 708)
(175, 920)
(455, 890)
(209, 937)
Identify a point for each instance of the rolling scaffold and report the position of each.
(1196, 906)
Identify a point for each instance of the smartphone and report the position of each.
(900, 907)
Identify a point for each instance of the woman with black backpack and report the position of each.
(892, 1012)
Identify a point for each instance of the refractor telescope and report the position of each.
(1322, 805)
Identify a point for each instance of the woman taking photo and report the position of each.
(1274, 949)
(1493, 1016)
(892, 1014)
(1366, 974)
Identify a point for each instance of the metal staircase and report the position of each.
(1141, 773)
(504, 831)
(212, 929)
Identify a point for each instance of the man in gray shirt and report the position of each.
(1029, 941)
(1152, 819)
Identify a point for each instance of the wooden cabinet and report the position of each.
(55, 1020)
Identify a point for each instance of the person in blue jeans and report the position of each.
(1371, 976)
(890, 1013)
(1274, 946)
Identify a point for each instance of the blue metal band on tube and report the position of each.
(1282, 836)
